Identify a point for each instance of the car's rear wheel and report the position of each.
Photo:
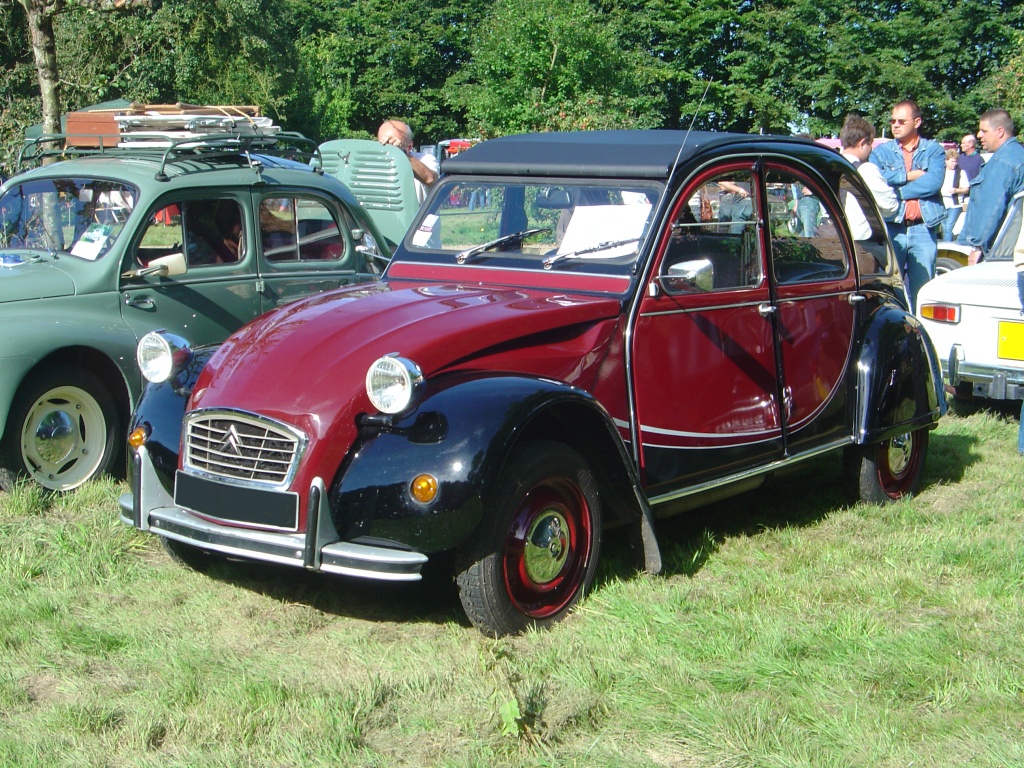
(537, 553)
(888, 470)
(61, 430)
(945, 264)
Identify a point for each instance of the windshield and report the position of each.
(1006, 239)
(82, 217)
(578, 225)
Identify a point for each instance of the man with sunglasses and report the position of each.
(915, 168)
(996, 183)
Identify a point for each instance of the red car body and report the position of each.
(612, 355)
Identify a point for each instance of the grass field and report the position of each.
(789, 629)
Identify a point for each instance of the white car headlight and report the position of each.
(393, 383)
(161, 355)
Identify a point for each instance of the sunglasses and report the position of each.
(898, 121)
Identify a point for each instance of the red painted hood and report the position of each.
(306, 363)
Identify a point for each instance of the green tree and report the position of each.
(541, 66)
(364, 62)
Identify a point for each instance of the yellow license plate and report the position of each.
(1011, 341)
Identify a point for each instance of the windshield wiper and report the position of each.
(551, 260)
(476, 250)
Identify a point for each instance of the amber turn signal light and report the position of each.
(138, 437)
(424, 488)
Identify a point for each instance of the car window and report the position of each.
(1006, 239)
(299, 229)
(79, 216)
(805, 241)
(576, 225)
(713, 244)
(868, 232)
(210, 232)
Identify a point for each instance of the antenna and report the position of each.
(690, 127)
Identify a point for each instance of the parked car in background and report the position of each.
(973, 316)
(197, 236)
(953, 255)
(592, 346)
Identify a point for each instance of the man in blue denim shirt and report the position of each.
(915, 168)
(995, 185)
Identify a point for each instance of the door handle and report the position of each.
(855, 297)
(140, 302)
(767, 309)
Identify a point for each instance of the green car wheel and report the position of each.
(61, 430)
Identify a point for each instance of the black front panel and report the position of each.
(237, 504)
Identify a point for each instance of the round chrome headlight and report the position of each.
(161, 355)
(393, 383)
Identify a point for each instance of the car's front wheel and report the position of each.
(61, 430)
(537, 551)
(888, 470)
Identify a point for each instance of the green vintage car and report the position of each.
(197, 236)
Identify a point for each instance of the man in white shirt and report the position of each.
(857, 137)
(424, 167)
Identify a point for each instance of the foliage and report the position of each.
(537, 66)
(482, 67)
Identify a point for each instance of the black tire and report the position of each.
(537, 552)
(63, 429)
(945, 264)
(195, 558)
(889, 470)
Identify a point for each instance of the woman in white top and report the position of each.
(951, 193)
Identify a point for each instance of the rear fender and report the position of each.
(899, 384)
(463, 434)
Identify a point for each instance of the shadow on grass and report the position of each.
(433, 600)
(801, 497)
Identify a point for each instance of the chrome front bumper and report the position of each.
(150, 508)
(984, 380)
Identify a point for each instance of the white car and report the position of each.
(974, 318)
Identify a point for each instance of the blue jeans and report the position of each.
(1020, 429)
(952, 214)
(916, 248)
(807, 211)
(733, 208)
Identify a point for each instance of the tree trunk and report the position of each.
(40, 15)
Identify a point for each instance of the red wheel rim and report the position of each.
(899, 462)
(548, 548)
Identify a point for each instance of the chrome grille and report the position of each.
(239, 446)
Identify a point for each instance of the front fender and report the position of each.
(462, 434)
(160, 412)
(899, 384)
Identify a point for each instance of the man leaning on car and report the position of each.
(999, 179)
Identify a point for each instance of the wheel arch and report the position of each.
(485, 419)
(88, 359)
(899, 383)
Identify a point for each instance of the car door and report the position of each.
(306, 246)
(814, 295)
(703, 356)
(216, 294)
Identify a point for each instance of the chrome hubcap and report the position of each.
(900, 449)
(547, 547)
(55, 437)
